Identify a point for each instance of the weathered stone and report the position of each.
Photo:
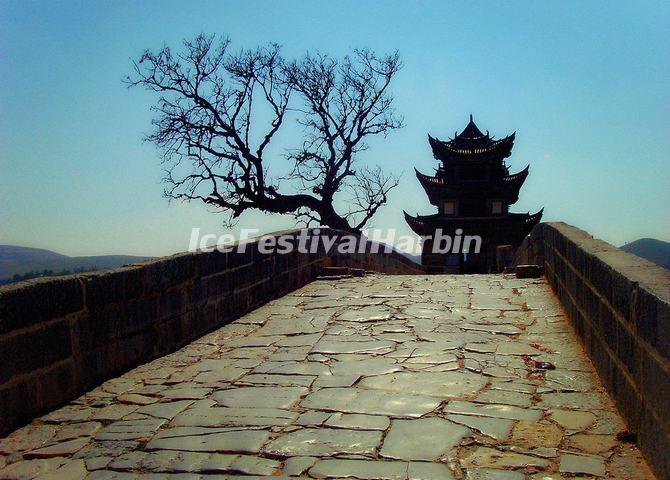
(423, 439)
(166, 410)
(390, 349)
(136, 399)
(438, 384)
(28, 469)
(28, 438)
(572, 420)
(593, 444)
(344, 346)
(244, 441)
(490, 410)
(325, 441)
(268, 397)
(357, 421)
(491, 474)
(428, 471)
(283, 380)
(223, 416)
(295, 466)
(582, 464)
(373, 402)
(63, 449)
(497, 428)
(485, 457)
(532, 434)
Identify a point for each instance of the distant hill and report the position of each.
(16, 260)
(655, 251)
(412, 257)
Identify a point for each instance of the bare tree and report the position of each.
(218, 112)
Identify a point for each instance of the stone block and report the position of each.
(654, 441)
(113, 286)
(28, 303)
(504, 256)
(164, 273)
(209, 263)
(529, 271)
(654, 381)
(172, 303)
(36, 394)
(237, 259)
(646, 310)
(34, 349)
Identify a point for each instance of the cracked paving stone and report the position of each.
(428, 471)
(580, 400)
(31, 437)
(28, 469)
(323, 442)
(243, 441)
(190, 393)
(136, 399)
(374, 402)
(438, 384)
(63, 449)
(295, 466)
(114, 412)
(572, 419)
(491, 474)
(76, 430)
(582, 464)
(165, 410)
(238, 416)
(361, 469)
(509, 398)
(130, 429)
(365, 315)
(345, 380)
(293, 368)
(367, 367)
(590, 443)
(358, 421)
(497, 428)
(355, 378)
(269, 397)
(422, 439)
(486, 457)
(282, 380)
(532, 434)
(345, 346)
(501, 329)
(490, 410)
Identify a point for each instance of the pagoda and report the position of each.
(472, 190)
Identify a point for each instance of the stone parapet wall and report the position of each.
(59, 337)
(620, 306)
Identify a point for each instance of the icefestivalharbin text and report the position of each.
(314, 240)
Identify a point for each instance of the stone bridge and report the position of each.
(384, 376)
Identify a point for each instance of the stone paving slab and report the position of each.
(380, 377)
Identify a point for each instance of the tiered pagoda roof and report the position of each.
(426, 224)
(473, 190)
(473, 143)
(437, 187)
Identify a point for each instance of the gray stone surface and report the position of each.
(380, 377)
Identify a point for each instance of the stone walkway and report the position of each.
(381, 377)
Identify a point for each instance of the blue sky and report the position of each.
(586, 85)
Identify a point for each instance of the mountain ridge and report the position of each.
(18, 260)
(656, 251)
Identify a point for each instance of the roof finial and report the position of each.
(470, 117)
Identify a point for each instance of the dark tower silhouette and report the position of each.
(472, 190)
